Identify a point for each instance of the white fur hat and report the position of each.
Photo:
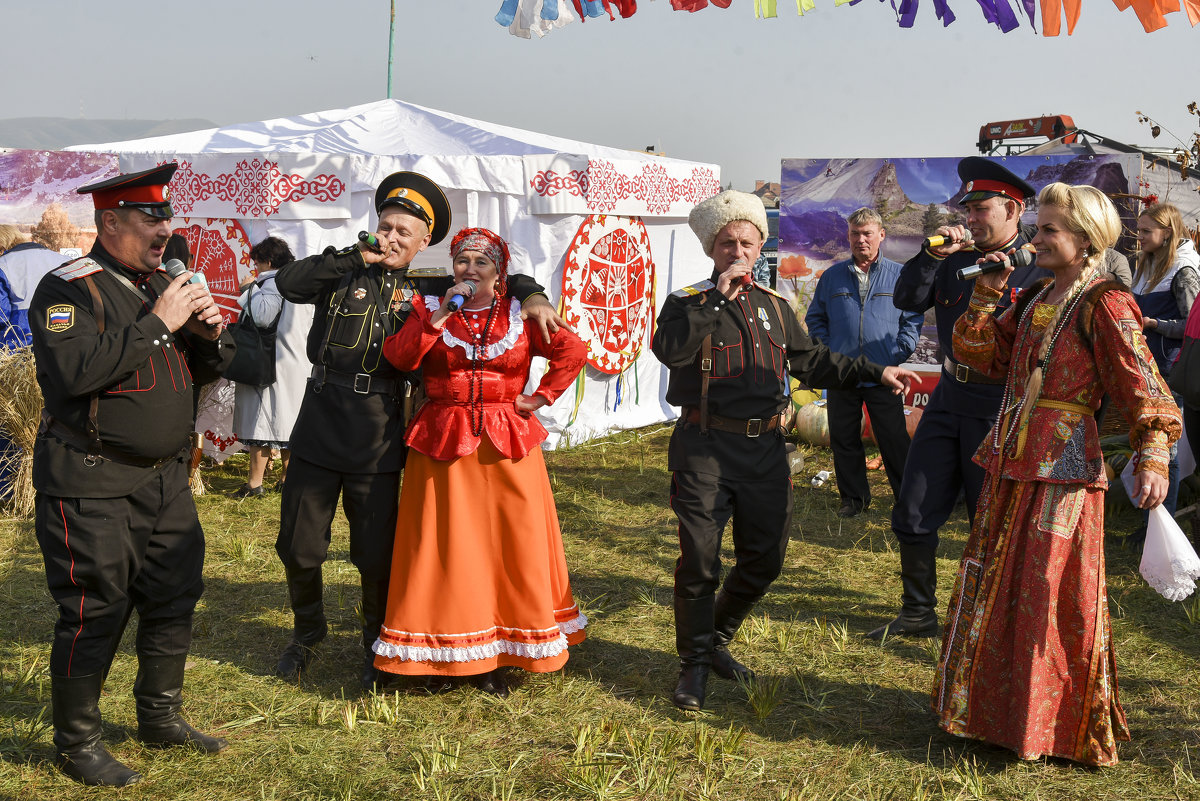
(710, 216)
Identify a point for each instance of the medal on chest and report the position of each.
(762, 317)
(402, 300)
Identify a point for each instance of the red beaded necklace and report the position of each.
(475, 372)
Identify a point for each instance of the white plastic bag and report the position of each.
(1169, 564)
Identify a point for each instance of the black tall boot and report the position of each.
(374, 605)
(75, 708)
(158, 692)
(918, 599)
(308, 611)
(694, 642)
(728, 614)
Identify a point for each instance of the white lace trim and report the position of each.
(1169, 564)
(505, 344)
(1177, 582)
(473, 653)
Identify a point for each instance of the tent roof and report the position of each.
(382, 128)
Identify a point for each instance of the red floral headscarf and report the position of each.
(489, 244)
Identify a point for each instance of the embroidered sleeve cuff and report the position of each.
(1154, 453)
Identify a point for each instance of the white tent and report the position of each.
(311, 179)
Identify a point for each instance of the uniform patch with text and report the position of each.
(60, 318)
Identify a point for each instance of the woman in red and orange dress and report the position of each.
(479, 578)
(1027, 659)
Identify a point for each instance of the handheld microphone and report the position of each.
(456, 301)
(746, 279)
(937, 241)
(175, 268)
(1023, 257)
(370, 240)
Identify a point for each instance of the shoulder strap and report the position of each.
(778, 313)
(706, 364)
(92, 428)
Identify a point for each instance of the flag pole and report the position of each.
(391, 44)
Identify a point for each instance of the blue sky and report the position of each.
(713, 86)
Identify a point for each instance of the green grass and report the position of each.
(831, 716)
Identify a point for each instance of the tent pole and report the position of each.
(391, 44)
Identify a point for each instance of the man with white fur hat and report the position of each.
(730, 345)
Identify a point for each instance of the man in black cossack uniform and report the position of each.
(349, 436)
(118, 345)
(965, 403)
(730, 345)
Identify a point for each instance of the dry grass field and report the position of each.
(832, 715)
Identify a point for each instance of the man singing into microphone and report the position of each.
(965, 403)
(117, 344)
(730, 345)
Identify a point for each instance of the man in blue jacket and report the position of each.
(853, 314)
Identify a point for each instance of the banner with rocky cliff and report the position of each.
(916, 195)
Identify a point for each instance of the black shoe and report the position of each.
(491, 683)
(246, 491)
(296, 658)
(728, 613)
(694, 622)
(851, 509)
(691, 687)
(372, 678)
(918, 598)
(902, 626)
(79, 753)
(725, 666)
(158, 692)
(309, 625)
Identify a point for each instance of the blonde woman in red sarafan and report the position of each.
(1027, 659)
(479, 579)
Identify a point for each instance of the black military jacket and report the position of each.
(927, 282)
(756, 345)
(143, 373)
(338, 428)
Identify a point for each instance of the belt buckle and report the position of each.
(754, 427)
(365, 380)
(961, 373)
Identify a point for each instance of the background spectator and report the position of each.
(263, 416)
(852, 312)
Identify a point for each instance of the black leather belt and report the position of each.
(361, 383)
(77, 439)
(966, 375)
(749, 428)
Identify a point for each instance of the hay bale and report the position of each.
(20, 415)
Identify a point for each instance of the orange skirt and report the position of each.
(479, 577)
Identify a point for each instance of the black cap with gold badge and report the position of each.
(983, 178)
(420, 197)
(145, 191)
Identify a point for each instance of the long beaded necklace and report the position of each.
(1008, 405)
(475, 372)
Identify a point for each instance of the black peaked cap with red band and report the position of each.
(145, 191)
(983, 178)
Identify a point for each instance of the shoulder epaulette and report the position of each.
(770, 291)
(77, 268)
(695, 289)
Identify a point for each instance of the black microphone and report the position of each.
(176, 268)
(937, 241)
(370, 240)
(1022, 258)
(456, 301)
